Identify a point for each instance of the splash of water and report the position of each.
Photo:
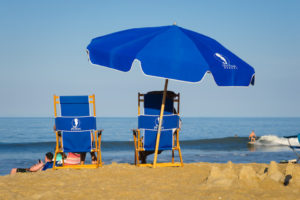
(276, 141)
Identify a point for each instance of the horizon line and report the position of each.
(180, 116)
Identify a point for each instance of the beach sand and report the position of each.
(125, 181)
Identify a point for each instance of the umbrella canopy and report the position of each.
(171, 52)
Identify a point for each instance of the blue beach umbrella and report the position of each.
(170, 52)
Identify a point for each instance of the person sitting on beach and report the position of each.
(252, 136)
(40, 166)
(72, 159)
(93, 157)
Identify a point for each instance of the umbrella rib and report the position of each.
(193, 41)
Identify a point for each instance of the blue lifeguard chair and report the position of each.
(148, 121)
(76, 129)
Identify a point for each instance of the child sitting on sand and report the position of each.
(40, 166)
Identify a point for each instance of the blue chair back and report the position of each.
(153, 100)
(150, 120)
(74, 106)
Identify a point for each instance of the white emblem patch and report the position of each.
(225, 61)
(157, 124)
(75, 124)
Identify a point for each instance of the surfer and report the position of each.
(252, 136)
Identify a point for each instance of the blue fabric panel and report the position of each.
(77, 141)
(74, 105)
(299, 138)
(226, 68)
(75, 123)
(152, 122)
(74, 99)
(125, 45)
(165, 142)
(171, 52)
(152, 104)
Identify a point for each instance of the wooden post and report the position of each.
(160, 123)
(94, 105)
(55, 102)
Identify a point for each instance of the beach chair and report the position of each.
(294, 148)
(145, 134)
(76, 128)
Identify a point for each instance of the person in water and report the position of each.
(40, 166)
(252, 137)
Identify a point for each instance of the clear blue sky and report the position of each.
(42, 52)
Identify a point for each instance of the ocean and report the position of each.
(25, 140)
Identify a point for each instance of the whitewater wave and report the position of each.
(276, 141)
(264, 143)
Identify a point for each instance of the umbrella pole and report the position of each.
(160, 123)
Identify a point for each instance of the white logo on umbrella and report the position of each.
(222, 58)
(225, 62)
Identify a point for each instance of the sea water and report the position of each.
(25, 140)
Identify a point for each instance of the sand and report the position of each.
(125, 181)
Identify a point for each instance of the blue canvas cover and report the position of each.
(152, 106)
(74, 105)
(153, 101)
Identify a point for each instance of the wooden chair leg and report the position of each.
(180, 156)
(54, 162)
(173, 156)
(99, 156)
(136, 153)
